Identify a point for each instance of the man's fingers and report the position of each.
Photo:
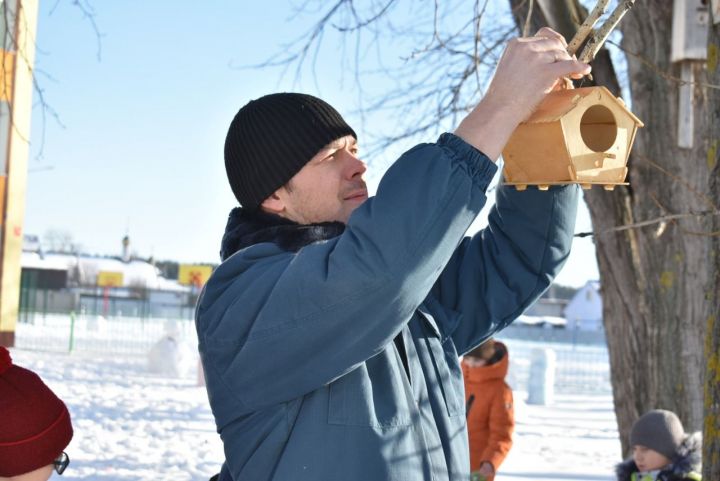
(560, 55)
(569, 68)
(541, 43)
(549, 49)
(548, 32)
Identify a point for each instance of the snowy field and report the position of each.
(575, 439)
(131, 424)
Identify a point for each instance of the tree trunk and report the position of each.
(711, 430)
(659, 289)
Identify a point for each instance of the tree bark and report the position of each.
(659, 291)
(676, 283)
(711, 428)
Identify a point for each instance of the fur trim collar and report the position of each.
(687, 461)
(245, 228)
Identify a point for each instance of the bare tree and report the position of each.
(438, 79)
(58, 240)
(8, 17)
(657, 240)
(659, 284)
(711, 431)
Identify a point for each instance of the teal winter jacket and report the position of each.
(304, 379)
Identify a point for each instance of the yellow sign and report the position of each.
(109, 279)
(194, 275)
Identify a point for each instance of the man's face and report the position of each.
(647, 459)
(328, 188)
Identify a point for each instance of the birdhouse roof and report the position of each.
(559, 103)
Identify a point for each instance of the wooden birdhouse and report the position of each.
(576, 136)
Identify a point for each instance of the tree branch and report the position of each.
(526, 27)
(596, 41)
(649, 222)
(587, 26)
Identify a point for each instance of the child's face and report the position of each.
(647, 459)
(480, 356)
(42, 474)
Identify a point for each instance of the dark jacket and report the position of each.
(304, 379)
(685, 467)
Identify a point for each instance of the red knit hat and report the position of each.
(34, 423)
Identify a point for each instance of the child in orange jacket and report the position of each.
(489, 401)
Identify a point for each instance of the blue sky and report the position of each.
(139, 149)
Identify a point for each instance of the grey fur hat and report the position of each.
(659, 430)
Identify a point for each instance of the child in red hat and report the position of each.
(35, 425)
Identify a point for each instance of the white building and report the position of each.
(584, 311)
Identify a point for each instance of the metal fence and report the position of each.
(120, 335)
(107, 302)
(582, 364)
(582, 361)
(578, 368)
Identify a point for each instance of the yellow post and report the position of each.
(16, 88)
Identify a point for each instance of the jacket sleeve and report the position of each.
(502, 424)
(307, 318)
(501, 270)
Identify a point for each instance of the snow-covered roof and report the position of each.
(541, 320)
(33, 260)
(136, 273)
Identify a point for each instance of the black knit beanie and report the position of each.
(660, 431)
(272, 138)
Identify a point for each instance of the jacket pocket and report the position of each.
(375, 394)
(445, 361)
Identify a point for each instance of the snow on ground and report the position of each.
(575, 439)
(131, 424)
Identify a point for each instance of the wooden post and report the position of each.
(689, 45)
(16, 84)
(686, 117)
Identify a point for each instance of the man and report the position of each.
(330, 333)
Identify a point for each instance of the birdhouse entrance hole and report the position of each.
(598, 128)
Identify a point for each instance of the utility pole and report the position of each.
(17, 55)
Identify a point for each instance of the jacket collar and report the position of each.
(245, 229)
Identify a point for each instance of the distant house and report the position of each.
(64, 282)
(552, 303)
(584, 311)
(547, 307)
